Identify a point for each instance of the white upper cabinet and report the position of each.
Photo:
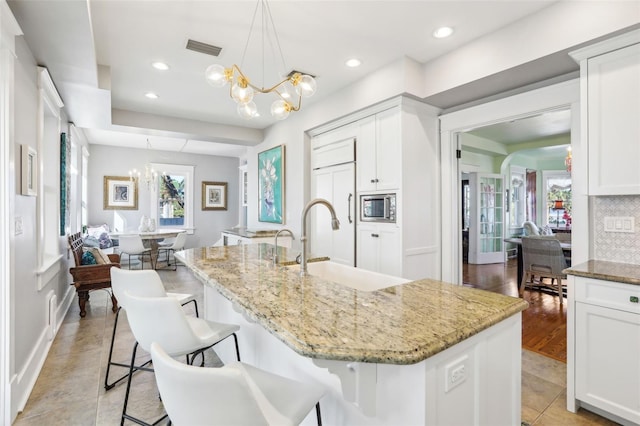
(611, 86)
(379, 151)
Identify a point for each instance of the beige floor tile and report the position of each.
(544, 367)
(538, 393)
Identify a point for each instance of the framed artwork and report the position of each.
(271, 185)
(29, 170)
(120, 193)
(214, 195)
(65, 183)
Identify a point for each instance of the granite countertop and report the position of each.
(320, 319)
(610, 271)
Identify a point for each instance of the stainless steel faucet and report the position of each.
(335, 224)
(275, 253)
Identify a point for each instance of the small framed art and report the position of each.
(29, 170)
(214, 195)
(120, 193)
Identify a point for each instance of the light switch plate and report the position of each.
(625, 224)
(18, 225)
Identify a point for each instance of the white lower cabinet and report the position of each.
(607, 347)
(231, 239)
(379, 248)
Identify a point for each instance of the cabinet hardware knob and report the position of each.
(633, 299)
(377, 180)
(375, 235)
(373, 181)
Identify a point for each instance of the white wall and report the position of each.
(561, 26)
(29, 340)
(114, 161)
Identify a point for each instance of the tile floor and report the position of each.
(70, 389)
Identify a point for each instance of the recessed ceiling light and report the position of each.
(151, 95)
(443, 32)
(352, 63)
(160, 66)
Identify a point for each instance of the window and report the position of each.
(48, 198)
(172, 196)
(557, 187)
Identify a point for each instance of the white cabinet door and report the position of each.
(337, 185)
(366, 154)
(614, 122)
(607, 363)
(388, 149)
(379, 249)
(389, 250)
(379, 151)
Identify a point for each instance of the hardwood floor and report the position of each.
(544, 323)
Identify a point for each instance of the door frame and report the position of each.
(565, 95)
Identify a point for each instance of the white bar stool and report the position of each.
(162, 320)
(237, 394)
(148, 283)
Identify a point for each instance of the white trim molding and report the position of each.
(565, 95)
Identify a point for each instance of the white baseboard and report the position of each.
(22, 383)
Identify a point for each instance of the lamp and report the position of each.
(149, 176)
(242, 90)
(567, 160)
(557, 206)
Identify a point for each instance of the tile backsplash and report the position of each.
(613, 246)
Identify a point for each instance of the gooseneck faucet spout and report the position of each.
(335, 224)
(275, 252)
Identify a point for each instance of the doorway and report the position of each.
(480, 122)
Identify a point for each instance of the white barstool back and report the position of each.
(141, 283)
(236, 394)
(161, 319)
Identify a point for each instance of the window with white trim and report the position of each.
(557, 187)
(172, 196)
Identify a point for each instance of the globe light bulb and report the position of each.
(215, 75)
(242, 95)
(280, 109)
(306, 86)
(247, 110)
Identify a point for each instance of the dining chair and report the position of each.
(543, 258)
(162, 320)
(144, 282)
(235, 394)
(168, 248)
(132, 245)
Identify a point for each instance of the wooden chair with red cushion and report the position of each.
(90, 277)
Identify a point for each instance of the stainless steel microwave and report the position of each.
(378, 208)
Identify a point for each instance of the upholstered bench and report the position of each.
(90, 277)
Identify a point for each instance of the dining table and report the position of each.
(152, 238)
(565, 245)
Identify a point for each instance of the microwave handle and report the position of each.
(387, 207)
(349, 207)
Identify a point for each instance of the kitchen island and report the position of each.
(424, 352)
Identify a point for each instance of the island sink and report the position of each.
(348, 276)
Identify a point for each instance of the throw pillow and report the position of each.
(100, 256)
(101, 234)
(546, 230)
(88, 258)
